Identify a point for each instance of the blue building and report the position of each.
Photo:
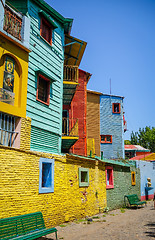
(147, 171)
(112, 126)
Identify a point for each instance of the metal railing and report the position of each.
(69, 127)
(7, 130)
(71, 73)
(12, 22)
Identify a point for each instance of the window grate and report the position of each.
(7, 130)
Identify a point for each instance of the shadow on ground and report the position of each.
(151, 230)
(45, 238)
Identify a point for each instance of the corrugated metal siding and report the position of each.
(48, 59)
(78, 111)
(112, 124)
(93, 120)
(44, 141)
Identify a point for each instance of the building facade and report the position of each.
(45, 73)
(121, 179)
(78, 111)
(93, 123)
(14, 52)
(111, 126)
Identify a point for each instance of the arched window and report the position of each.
(10, 84)
(8, 79)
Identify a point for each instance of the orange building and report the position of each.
(93, 122)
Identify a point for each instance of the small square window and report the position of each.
(106, 138)
(43, 89)
(46, 31)
(83, 177)
(46, 175)
(116, 108)
(109, 177)
(133, 178)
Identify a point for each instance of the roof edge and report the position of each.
(53, 12)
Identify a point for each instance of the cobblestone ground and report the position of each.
(120, 224)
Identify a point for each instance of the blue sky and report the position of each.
(121, 47)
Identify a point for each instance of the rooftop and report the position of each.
(137, 148)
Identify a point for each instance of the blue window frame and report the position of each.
(46, 175)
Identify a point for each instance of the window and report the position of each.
(43, 89)
(46, 31)
(106, 138)
(109, 177)
(116, 108)
(8, 134)
(46, 175)
(83, 177)
(133, 178)
(153, 165)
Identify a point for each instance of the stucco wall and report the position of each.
(147, 170)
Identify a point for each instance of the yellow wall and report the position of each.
(25, 133)
(19, 188)
(20, 56)
(91, 146)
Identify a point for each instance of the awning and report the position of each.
(74, 50)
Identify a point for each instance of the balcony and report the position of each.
(71, 73)
(12, 22)
(70, 82)
(69, 133)
(14, 26)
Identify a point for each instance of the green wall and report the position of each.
(122, 186)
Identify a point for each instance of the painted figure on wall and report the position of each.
(8, 80)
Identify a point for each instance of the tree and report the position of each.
(134, 138)
(127, 142)
(145, 137)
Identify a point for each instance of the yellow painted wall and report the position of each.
(8, 47)
(25, 133)
(91, 146)
(19, 188)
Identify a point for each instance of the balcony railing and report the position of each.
(69, 127)
(71, 73)
(12, 22)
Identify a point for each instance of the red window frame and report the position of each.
(47, 90)
(105, 137)
(46, 30)
(113, 107)
(109, 177)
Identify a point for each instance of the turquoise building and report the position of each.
(111, 126)
(45, 73)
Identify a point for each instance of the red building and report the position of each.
(78, 111)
